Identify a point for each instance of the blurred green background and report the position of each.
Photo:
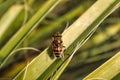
(104, 43)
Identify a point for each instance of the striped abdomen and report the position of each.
(57, 44)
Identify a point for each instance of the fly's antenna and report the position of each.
(67, 25)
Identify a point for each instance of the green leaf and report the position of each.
(108, 70)
(26, 29)
(54, 24)
(66, 62)
(6, 5)
(61, 68)
(7, 21)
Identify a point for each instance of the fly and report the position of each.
(57, 45)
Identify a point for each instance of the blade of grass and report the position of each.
(98, 53)
(108, 70)
(9, 15)
(100, 38)
(27, 28)
(12, 21)
(13, 54)
(62, 67)
(4, 6)
(74, 34)
(45, 76)
(91, 19)
(7, 22)
(67, 61)
(63, 19)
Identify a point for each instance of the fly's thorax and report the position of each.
(57, 42)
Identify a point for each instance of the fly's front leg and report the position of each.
(64, 48)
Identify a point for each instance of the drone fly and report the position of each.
(57, 45)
